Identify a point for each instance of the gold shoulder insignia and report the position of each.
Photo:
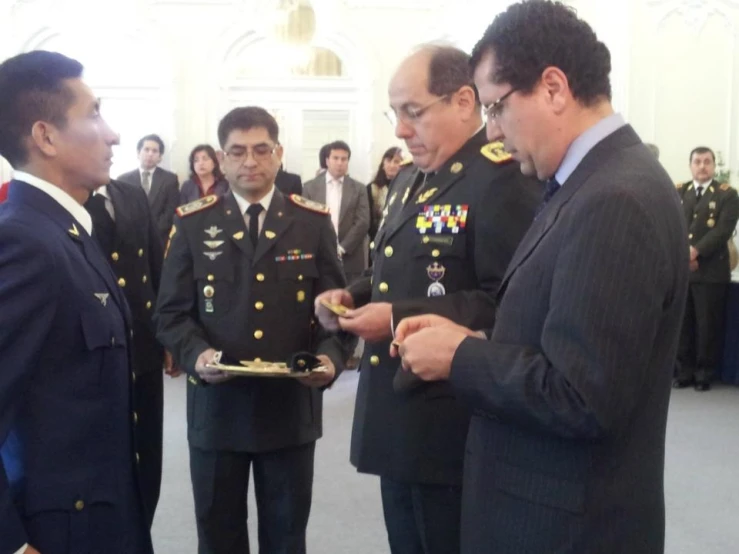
(679, 185)
(725, 186)
(495, 152)
(197, 205)
(308, 204)
(408, 161)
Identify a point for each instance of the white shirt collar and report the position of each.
(103, 191)
(696, 184)
(150, 171)
(330, 179)
(76, 210)
(265, 202)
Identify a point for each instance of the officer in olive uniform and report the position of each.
(127, 234)
(240, 276)
(711, 211)
(443, 246)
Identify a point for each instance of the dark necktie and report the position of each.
(550, 189)
(254, 210)
(103, 226)
(698, 193)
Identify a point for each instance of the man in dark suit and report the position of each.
(288, 183)
(452, 222)
(240, 277)
(125, 230)
(565, 451)
(711, 210)
(349, 206)
(161, 186)
(69, 480)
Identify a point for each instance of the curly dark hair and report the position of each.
(535, 34)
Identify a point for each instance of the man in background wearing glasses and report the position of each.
(452, 221)
(240, 277)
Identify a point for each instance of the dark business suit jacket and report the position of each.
(565, 451)
(414, 432)
(288, 183)
(68, 478)
(711, 223)
(164, 197)
(249, 303)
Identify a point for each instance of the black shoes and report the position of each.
(703, 386)
(681, 383)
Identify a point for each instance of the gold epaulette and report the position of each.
(197, 205)
(725, 186)
(495, 152)
(678, 186)
(408, 161)
(309, 204)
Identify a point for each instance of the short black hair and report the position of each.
(338, 145)
(247, 118)
(323, 154)
(449, 71)
(532, 35)
(153, 138)
(33, 88)
(702, 150)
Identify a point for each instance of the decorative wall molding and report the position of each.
(696, 13)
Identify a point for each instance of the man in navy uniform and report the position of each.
(239, 277)
(68, 479)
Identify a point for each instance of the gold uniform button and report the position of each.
(435, 253)
(388, 251)
(112, 341)
(426, 240)
(372, 245)
(79, 505)
(141, 252)
(135, 418)
(144, 279)
(211, 278)
(690, 236)
(375, 361)
(138, 458)
(148, 305)
(300, 277)
(133, 377)
(384, 287)
(259, 306)
(258, 334)
(121, 282)
(260, 277)
(114, 256)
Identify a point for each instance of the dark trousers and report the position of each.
(420, 518)
(283, 484)
(148, 401)
(701, 339)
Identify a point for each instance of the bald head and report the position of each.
(436, 104)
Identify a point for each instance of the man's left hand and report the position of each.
(320, 379)
(429, 352)
(370, 322)
(170, 368)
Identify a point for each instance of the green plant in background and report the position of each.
(723, 173)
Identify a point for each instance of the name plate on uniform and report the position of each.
(442, 219)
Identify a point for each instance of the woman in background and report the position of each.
(377, 189)
(206, 177)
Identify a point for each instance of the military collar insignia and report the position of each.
(103, 297)
(495, 152)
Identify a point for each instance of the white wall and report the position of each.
(167, 66)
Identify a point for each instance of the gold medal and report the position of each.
(208, 291)
(711, 223)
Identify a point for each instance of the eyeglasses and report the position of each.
(409, 114)
(494, 110)
(260, 153)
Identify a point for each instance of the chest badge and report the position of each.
(212, 255)
(436, 273)
(213, 231)
(103, 297)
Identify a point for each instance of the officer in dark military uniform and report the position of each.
(127, 234)
(240, 276)
(711, 211)
(452, 222)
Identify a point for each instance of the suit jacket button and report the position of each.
(259, 306)
(141, 252)
(121, 282)
(375, 361)
(384, 288)
(114, 256)
(260, 277)
(79, 505)
(258, 334)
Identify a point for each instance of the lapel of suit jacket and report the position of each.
(625, 136)
(276, 222)
(156, 184)
(235, 227)
(120, 211)
(321, 189)
(448, 174)
(348, 190)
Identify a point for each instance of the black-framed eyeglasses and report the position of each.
(494, 110)
(260, 153)
(411, 114)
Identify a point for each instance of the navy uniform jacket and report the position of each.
(68, 480)
(711, 223)
(219, 292)
(417, 434)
